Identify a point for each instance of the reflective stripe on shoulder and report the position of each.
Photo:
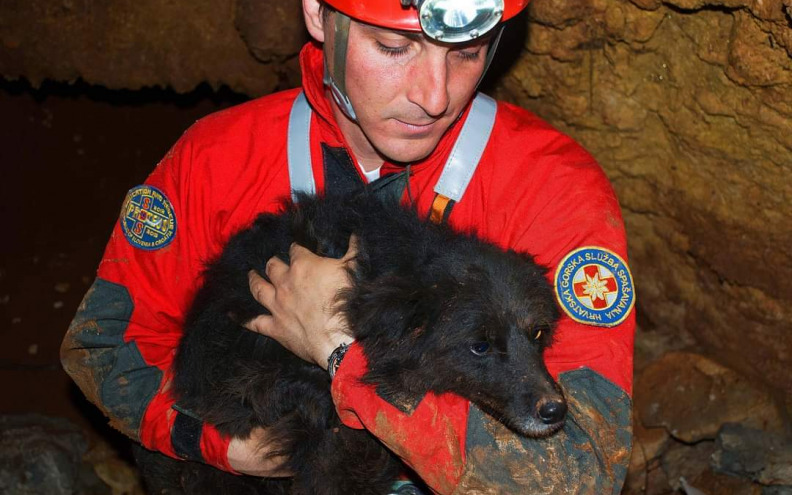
(468, 149)
(299, 148)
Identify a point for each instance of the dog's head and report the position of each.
(473, 322)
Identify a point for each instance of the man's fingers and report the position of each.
(261, 324)
(275, 269)
(296, 252)
(262, 291)
(252, 456)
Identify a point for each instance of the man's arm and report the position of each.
(121, 343)
(120, 346)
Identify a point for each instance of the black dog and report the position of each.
(433, 310)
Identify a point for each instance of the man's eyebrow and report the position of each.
(407, 34)
(413, 36)
(410, 35)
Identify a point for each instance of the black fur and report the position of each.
(423, 299)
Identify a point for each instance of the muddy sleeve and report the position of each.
(456, 448)
(121, 343)
(575, 228)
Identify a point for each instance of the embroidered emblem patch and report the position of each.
(594, 286)
(147, 218)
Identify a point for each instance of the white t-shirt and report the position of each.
(371, 176)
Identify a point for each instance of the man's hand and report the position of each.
(248, 456)
(302, 299)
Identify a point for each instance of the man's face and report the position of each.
(406, 90)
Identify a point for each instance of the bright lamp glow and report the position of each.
(456, 21)
(457, 18)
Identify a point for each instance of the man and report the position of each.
(392, 86)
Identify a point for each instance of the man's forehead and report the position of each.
(419, 37)
(381, 30)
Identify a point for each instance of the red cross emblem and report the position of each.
(596, 286)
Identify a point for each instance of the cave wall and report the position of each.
(247, 45)
(688, 107)
(687, 104)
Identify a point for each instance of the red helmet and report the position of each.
(444, 20)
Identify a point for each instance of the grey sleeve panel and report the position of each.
(589, 455)
(110, 372)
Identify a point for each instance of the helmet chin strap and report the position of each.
(493, 45)
(337, 84)
(337, 80)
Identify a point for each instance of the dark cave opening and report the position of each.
(69, 153)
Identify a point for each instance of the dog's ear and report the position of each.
(391, 308)
(390, 317)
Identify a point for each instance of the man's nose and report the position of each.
(429, 84)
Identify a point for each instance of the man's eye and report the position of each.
(479, 348)
(465, 55)
(392, 51)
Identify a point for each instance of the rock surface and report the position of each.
(692, 396)
(51, 455)
(130, 44)
(39, 455)
(687, 104)
(754, 454)
(648, 445)
(687, 469)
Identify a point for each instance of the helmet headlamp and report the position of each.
(457, 21)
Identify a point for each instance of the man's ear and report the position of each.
(312, 11)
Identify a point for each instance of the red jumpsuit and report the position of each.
(534, 190)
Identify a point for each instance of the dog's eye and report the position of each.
(479, 348)
(538, 330)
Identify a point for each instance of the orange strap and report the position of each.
(441, 208)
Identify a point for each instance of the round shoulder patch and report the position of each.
(594, 286)
(147, 218)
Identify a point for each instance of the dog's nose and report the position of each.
(552, 411)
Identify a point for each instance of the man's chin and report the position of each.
(409, 152)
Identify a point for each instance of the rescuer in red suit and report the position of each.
(385, 85)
